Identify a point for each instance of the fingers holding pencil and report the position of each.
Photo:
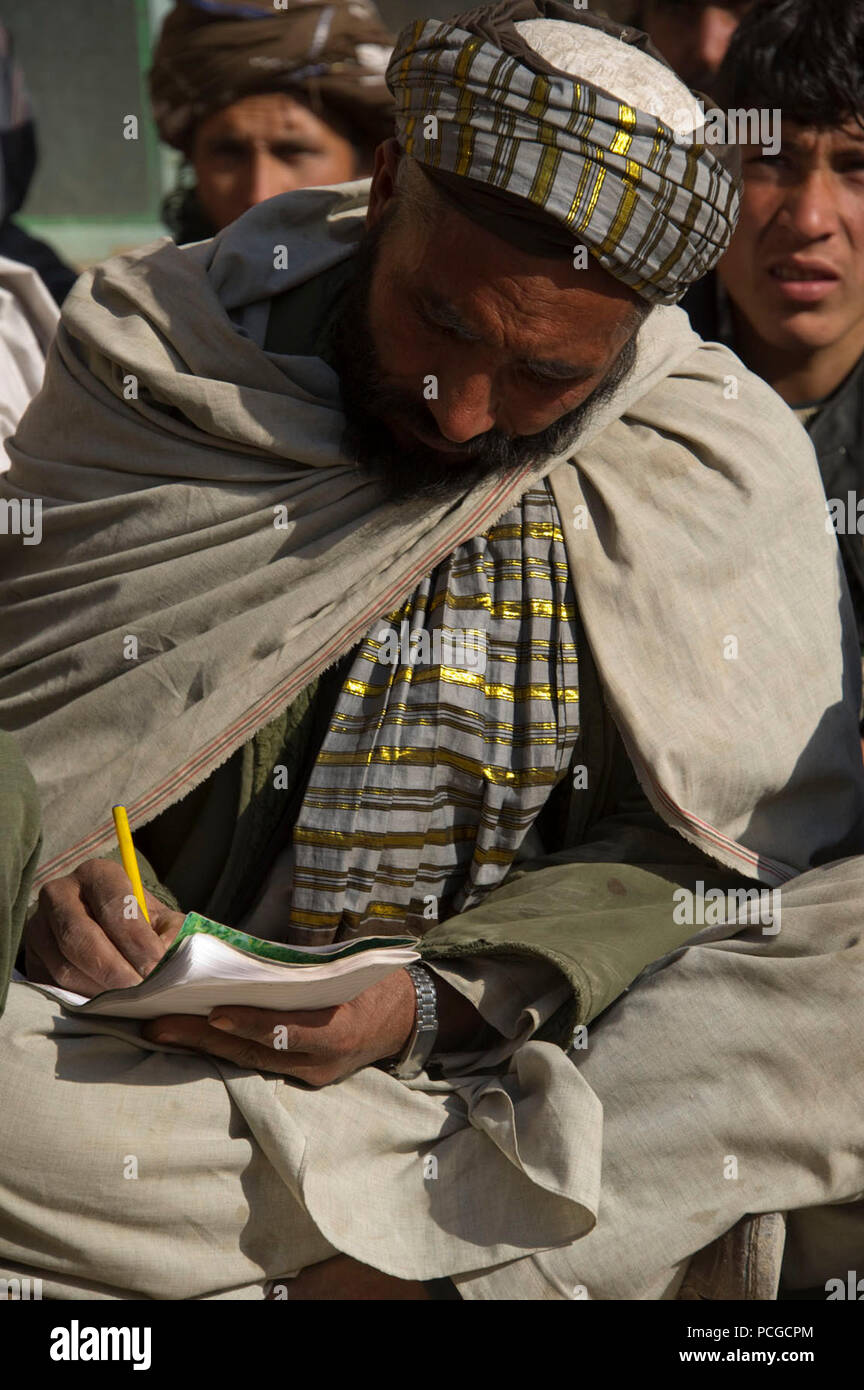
(87, 933)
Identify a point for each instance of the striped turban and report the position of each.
(552, 126)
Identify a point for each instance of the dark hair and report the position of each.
(805, 58)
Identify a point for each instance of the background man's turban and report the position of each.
(212, 53)
(573, 144)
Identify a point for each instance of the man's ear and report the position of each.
(383, 188)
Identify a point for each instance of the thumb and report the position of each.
(165, 921)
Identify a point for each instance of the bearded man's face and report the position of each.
(461, 356)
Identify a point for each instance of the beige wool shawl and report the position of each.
(207, 550)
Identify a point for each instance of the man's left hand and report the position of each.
(316, 1045)
(320, 1045)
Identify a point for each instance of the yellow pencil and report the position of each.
(127, 854)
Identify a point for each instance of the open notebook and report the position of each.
(209, 964)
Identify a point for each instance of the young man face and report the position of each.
(261, 146)
(795, 268)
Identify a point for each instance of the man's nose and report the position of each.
(810, 207)
(267, 177)
(716, 27)
(465, 408)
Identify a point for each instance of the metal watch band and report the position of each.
(422, 1040)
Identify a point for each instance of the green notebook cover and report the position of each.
(195, 924)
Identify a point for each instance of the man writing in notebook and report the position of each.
(410, 565)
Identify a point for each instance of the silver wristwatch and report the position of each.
(422, 1040)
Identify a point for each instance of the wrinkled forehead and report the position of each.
(477, 284)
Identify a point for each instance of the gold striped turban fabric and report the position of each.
(655, 212)
(458, 716)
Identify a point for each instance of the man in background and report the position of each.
(692, 35)
(788, 295)
(261, 101)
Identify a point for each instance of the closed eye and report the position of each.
(441, 320)
(552, 378)
(449, 330)
(444, 322)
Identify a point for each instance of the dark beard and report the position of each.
(416, 470)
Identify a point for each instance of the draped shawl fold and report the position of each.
(164, 618)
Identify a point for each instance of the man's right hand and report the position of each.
(83, 937)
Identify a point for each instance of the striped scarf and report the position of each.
(458, 716)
